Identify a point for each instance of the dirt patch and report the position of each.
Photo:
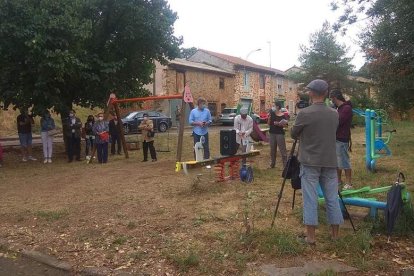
(145, 218)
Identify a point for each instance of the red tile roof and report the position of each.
(242, 62)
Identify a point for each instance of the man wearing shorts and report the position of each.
(343, 137)
(315, 127)
(24, 129)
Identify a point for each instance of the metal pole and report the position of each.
(270, 53)
(120, 129)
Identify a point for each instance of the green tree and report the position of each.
(324, 58)
(56, 53)
(388, 45)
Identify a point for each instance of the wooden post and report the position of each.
(121, 130)
(181, 131)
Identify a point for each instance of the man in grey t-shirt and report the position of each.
(315, 127)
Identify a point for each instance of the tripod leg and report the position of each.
(346, 210)
(278, 201)
(292, 150)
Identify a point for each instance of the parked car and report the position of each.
(227, 116)
(132, 120)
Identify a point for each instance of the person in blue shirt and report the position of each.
(200, 119)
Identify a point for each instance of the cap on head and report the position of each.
(318, 86)
(243, 111)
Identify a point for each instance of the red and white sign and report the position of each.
(188, 97)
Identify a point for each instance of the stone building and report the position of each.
(214, 84)
(262, 84)
(224, 81)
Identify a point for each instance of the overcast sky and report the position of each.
(237, 27)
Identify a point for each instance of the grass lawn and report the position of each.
(144, 217)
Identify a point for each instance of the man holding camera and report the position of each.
(315, 127)
(200, 119)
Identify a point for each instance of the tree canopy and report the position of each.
(388, 43)
(187, 52)
(56, 53)
(324, 58)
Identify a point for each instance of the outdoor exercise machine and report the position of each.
(365, 197)
(376, 144)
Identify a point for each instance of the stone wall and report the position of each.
(204, 84)
(254, 91)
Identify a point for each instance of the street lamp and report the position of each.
(245, 72)
(251, 52)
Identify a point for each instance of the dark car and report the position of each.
(131, 121)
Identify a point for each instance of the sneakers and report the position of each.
(347, 187)
(24, 159)
(31, 158)
(49, 160)
(45, 161)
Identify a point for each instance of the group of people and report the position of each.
(324, 137)
(96, 133)
(200, 119)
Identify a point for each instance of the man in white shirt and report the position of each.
(243, 124)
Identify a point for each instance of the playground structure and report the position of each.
(376, 144)
(221, 163)
(365, 197)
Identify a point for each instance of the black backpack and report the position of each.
(292, 170)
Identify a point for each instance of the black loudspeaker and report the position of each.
(228, 145)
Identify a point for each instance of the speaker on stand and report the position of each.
(228, 144)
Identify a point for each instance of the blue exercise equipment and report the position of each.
(363, 198)
(376, 143)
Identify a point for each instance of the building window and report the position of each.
(279, 85)
(213, 108)
(223, 106)
(262, 81)
(221, 83)
(246, 81)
